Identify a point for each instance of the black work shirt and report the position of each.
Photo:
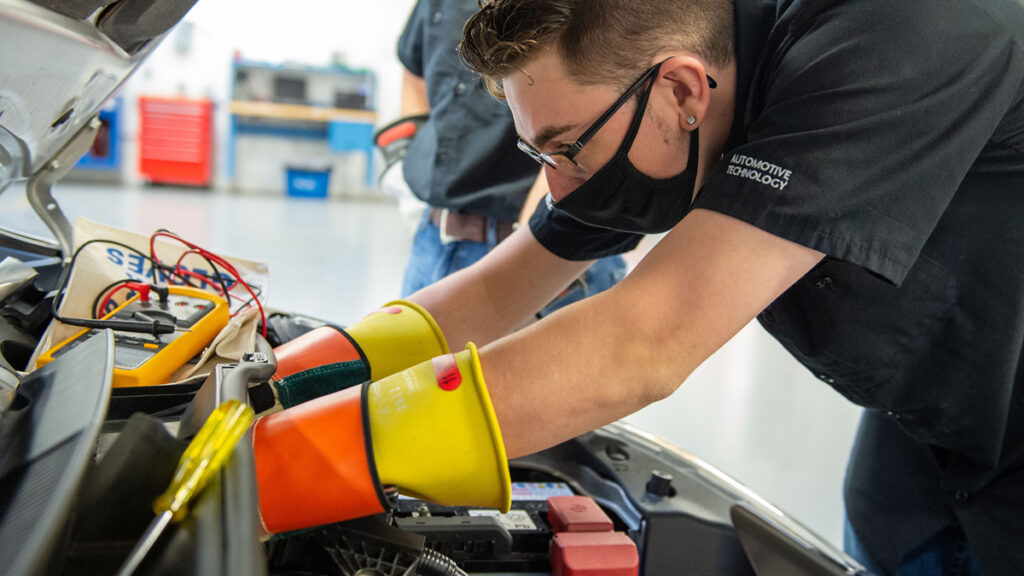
(890, 136)
(465, 157)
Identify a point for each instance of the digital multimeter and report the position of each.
(147, 360)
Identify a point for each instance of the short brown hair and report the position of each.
(600, 41)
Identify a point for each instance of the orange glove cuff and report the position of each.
(324, 345)
(314, 463)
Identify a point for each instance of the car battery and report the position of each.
(484, 540)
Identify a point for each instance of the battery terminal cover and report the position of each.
(594, 554)
(577, 514)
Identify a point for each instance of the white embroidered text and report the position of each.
(759, 171)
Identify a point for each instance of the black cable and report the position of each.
(65, 274)
(256, 294)
(217, 275)
(155, 328)
(96, 314)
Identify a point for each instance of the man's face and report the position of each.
(551, 111)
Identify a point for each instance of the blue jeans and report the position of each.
(431, 260)
(944, 554)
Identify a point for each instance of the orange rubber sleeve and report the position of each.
(324, 345)
(314, 463)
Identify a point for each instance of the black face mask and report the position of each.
(620, 197)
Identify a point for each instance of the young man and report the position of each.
(849, 173)
(463, 161)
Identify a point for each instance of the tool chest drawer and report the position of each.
(175, 140)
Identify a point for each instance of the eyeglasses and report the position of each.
(556, 159)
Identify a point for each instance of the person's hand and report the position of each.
(394, 139)
(328, 359)
(429, 430)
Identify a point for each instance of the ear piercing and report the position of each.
(691, 120)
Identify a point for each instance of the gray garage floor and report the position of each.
(750, 410)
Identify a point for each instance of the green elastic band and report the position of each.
(322, 380)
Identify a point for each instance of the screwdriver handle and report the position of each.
(204, 456)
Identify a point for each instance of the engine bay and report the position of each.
(612, 501)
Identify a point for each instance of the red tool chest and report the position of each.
(175, 140)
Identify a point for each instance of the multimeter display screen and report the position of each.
(127, 358)
(130, 352)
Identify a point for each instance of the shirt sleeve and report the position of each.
(568, 238)
(410, 43)
(863, 123)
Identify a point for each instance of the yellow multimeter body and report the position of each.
(142, 359)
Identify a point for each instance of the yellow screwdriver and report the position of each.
(202, 459)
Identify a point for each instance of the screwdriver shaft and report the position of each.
(142, 547)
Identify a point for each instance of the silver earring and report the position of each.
(691, 120)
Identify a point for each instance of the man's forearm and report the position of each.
(414, 95)
(606, 356)
(553, 380)
(498, 294)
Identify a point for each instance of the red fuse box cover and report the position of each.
(594, 554)
(577, 514)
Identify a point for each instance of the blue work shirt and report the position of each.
(465, 157)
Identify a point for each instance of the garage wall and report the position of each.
(195, 59)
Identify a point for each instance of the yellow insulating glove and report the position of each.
(328, 359)
(435, 435)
